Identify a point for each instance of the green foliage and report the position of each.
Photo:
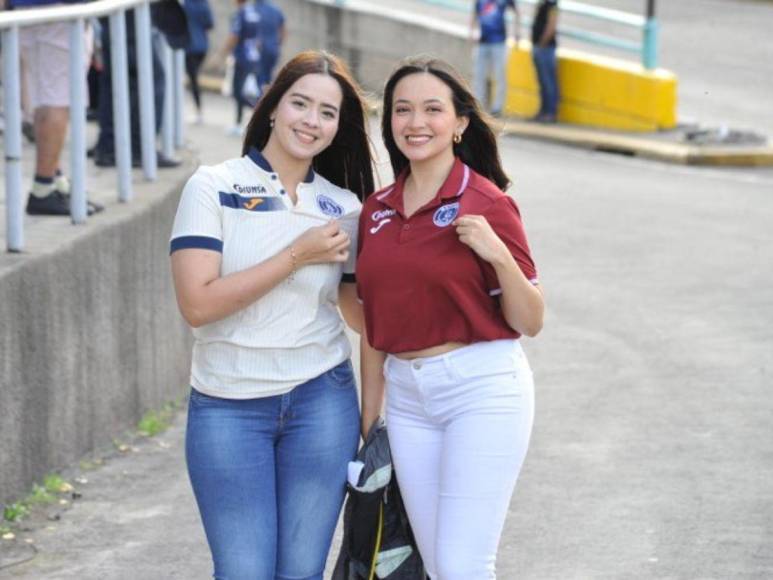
(15, 511)
(55, 484)
(40, 495)
(155, 422)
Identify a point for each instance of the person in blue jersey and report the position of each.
(243, 43)
(262, 254)
(491, 54)
(200, 21)
(272, 36)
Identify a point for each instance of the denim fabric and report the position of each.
(459, 426)
(545, 63)
(241, 72)
(490, 61)
(269, 475)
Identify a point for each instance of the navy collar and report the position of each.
(262, 162)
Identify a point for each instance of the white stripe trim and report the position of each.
(535, 281)
(465, 180)
(383, 195)
(495, 292)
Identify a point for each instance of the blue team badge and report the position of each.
(329, 207)
(445, 215)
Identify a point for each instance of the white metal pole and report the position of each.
(120, 86)
(146, 93)
(78, 207)
(179, 95)
(14, 209)
(168, 120)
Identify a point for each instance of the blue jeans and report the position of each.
(490, 62)
(269, 475)
(545, 63)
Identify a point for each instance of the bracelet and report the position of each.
(294, 259)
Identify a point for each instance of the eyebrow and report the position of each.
(310, 100)
(426, 101)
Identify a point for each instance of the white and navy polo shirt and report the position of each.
(294, 333)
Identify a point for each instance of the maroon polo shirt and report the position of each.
(419, 285)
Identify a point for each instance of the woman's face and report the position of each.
(424, 120)
(306, 118)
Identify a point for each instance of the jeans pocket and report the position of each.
(342, 375)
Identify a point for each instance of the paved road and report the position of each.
(651, 455)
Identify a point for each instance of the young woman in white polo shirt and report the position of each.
(261, 257)
(448, 286)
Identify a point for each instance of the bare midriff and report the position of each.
(430, 351)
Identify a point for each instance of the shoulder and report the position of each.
(218, 176)
(339, 195)
(481, 193)
(374, 200)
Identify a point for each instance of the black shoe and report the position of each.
(56, 203)
(28, 130)
(166, 162)
(108, 160)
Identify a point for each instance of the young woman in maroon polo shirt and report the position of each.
(448, 286)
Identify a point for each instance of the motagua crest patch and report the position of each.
(329, 207)
(446, 214)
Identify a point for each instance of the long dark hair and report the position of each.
(478, 147)
(347, 160)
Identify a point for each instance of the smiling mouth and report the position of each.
(305, 138)
(417, 139)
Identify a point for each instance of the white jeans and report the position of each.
(459, 427)
(490, 63)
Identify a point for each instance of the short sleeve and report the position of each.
(351, 226)
(505, 220)
(199, 219)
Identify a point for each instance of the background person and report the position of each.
(200, 21)
(261, 257)
(272, 35)
(543, 50)
(46, 50)
(448, 286)
(488, 17)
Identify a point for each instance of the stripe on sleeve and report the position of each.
(201, 242)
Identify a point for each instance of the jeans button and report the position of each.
(417, 365)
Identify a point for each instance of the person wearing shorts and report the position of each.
(46, 52)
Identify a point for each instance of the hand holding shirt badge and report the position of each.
(475, 232)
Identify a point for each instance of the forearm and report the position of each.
(372, 377)
(223, 296)
(522, 302)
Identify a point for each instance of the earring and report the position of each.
(457, 138)
(271, 122)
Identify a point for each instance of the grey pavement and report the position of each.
(652, 453)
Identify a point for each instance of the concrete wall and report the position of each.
(90, 339)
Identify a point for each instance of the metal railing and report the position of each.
(646, 49)
(172, 130)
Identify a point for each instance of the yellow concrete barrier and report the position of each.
(596, 91)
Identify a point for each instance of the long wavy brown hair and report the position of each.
(347, 161)
(478, 147)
